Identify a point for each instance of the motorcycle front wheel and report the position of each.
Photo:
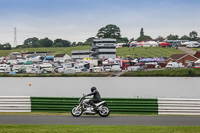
(76, 111)
(104, 111)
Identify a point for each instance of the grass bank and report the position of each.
(147, 51)
(136, 51)
(96, 129)
(53, 50)
(165, 73)
(196, 49)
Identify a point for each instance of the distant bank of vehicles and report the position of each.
(165, 43)
(109, 65)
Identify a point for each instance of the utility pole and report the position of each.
(15, 37)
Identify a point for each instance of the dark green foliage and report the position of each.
(109, 31)
(62, 43)
(172, 37)
(144, 38)
(193, 35)
(185, 37)
(31, 42)
(122, 40)
(141, 32)
(89, 41)
(46, 42)
(73, 44)
(5, 46)
(58, 44)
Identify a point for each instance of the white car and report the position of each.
(133, 68)
(171, 65)
(108, 68)
(116, 68)
(78, 70)
(69, 71)
(60, 70)
(97, 69)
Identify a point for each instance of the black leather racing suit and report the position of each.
(96, 97)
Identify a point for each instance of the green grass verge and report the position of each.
(165, 73)
(147, 51)
(196, 49)
(139, 51)
(54, 50)
(96, 129)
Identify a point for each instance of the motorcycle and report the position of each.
(86, 108)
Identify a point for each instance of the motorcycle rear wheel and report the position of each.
(76, 111)
(104, 111)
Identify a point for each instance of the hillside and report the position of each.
(147, 51)
(139, 51)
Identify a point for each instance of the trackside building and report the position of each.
(101, 49)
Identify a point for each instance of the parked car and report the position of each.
(133, 68)
(172, 65)
(97, 69)
(78, 70)
(116, 68)
(138, 67)
(195, 45)
(69, 71)
(142, 66)
(56, 69)
(108, 68)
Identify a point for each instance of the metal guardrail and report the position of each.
(178, 106)
(116, 105)
(15, 104)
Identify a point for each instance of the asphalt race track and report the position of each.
(97, 120)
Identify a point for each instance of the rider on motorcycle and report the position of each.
(96, 97)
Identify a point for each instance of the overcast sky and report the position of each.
(77, 20)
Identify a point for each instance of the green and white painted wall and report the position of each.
(166, 106)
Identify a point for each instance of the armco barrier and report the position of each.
(15, 104)
(178, 106)
(116, 105)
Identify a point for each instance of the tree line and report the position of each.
(109, 31)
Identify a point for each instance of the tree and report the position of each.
(6, 46)
(58, 44)
(31, 42)
(1, 47)
(20, 46)
(160, 38)
(185, 37)
(132, 39)
(193, 35)
(89, 41)
(172, 37)
(45, 42)
(64, 43)
(80, 44)
(73, 44)
(141, 32)
(122, 40)
(109, 31)
(144, 38)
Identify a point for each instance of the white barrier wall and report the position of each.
(178, 106)
(15, 104)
